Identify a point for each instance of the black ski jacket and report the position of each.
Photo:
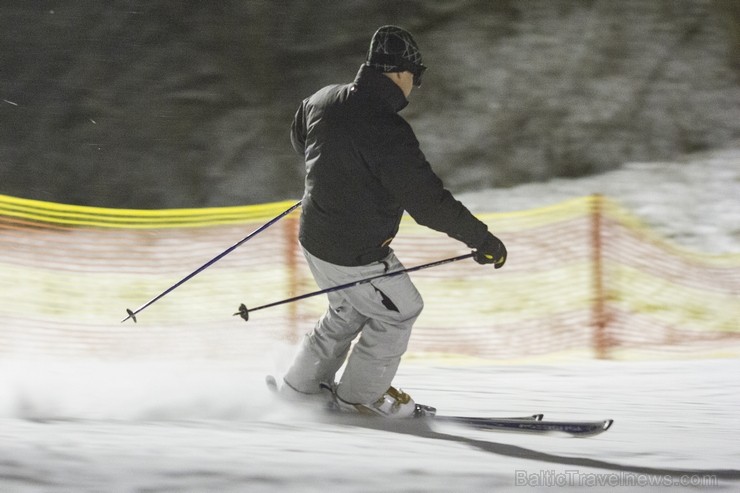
(363, 169)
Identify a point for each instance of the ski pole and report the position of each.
(244, 311)
(132, 314)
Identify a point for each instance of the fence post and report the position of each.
(290, 237)
(598, 308)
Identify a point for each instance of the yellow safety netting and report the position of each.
(584, 277)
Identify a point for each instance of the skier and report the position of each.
(363, 169)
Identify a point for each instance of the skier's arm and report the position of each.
(411, 180)
(406, 173)
(298, 130)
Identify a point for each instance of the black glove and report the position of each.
(491, 251)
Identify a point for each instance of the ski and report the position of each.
(574, 428)
(480, 420)
(533, 423)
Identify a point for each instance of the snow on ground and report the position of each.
(210, 427)
(207, 426)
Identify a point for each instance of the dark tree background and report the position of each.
(164, 103)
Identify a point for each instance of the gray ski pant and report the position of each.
(381, 312)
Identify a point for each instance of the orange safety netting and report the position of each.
(584, 277)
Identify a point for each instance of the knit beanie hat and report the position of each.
(393, 49)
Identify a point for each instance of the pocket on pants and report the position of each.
(386, 301)
(397, 299)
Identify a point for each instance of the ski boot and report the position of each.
(394, 404)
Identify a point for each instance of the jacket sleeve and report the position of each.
(298, 130)
(407, 175)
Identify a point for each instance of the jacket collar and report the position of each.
(376, 85)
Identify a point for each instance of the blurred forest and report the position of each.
(164, 103)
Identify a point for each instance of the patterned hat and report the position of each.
(393, 49)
